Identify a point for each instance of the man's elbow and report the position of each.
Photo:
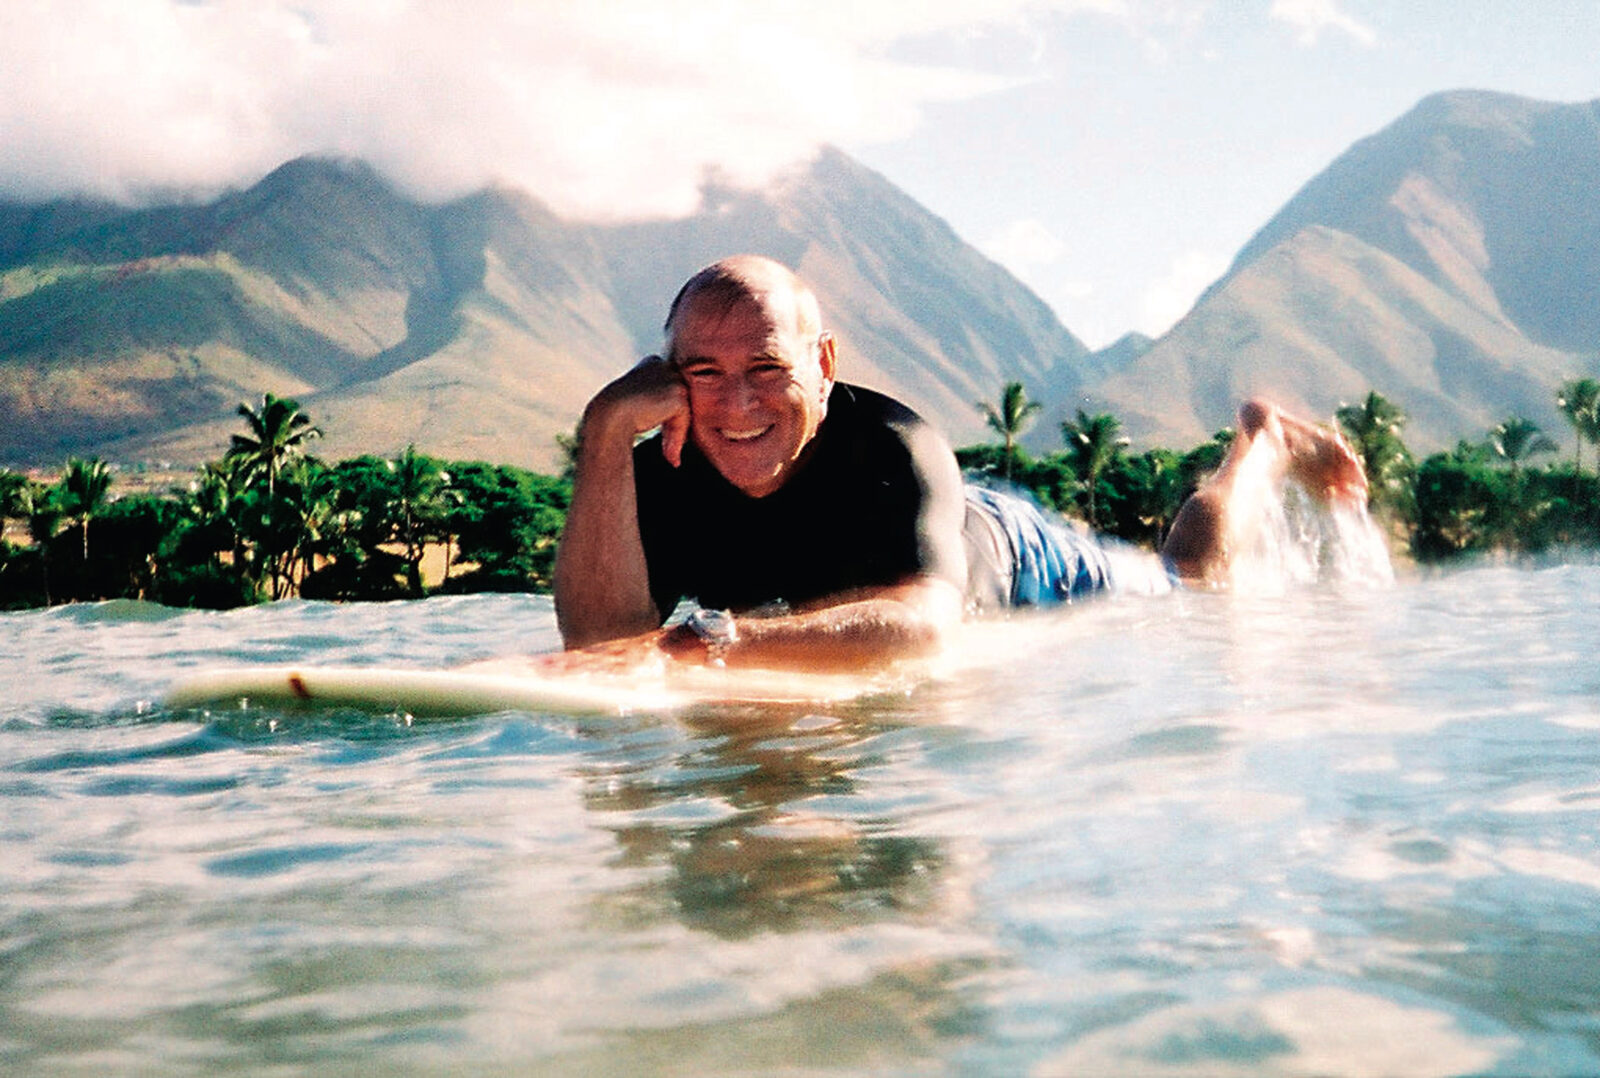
(921, 627)
(581, 628)
(924, 636)
(938, 604)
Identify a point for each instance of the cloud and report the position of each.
(611, 109)
(1024, 246)
(1312, 17)
(1170, 296)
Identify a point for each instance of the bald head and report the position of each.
(745, 339)
(721, 286)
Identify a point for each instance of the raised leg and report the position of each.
(1271, 447)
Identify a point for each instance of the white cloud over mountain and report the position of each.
(614, 108)
(1312, 17)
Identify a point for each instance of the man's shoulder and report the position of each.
(870, 406)
(879, 426)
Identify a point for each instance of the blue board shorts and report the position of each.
(1048, 562)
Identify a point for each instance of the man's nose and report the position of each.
(738, 393)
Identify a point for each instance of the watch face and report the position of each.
(715, 627)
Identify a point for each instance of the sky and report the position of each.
(1114, 154)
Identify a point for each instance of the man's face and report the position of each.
(757, 391)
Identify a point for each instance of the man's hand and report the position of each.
(650, 395)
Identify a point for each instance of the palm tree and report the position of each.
(422, 499)
(1156, 492)
(82, 493)
(214, 505)
(1517, 439)
(36, 503)
(1013, 417)
(12, 485)
(279, 431)
(1373, 427)
(304, 514)
(1579, 401)
(1094, 442)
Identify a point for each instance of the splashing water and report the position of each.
(1282, 536)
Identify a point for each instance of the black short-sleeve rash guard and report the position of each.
(853, 514)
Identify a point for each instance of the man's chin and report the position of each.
(757, 481)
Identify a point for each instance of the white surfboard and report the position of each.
(500, 686)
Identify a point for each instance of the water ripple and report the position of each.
(1318, 832)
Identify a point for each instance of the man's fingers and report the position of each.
(675, 428)
(674, 432)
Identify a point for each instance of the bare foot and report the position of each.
(1323, 462)
(1317, 458)
(1206, 534)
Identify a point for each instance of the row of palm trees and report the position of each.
(1480, 495)
(268, 520)
(1093, 441)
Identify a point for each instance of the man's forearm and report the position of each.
(844, 638)
(602, 587)
(908, 623)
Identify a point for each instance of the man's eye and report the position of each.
(700, 374)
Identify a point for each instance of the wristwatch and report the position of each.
(716, 630)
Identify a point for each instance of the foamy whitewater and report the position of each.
(1335, 826)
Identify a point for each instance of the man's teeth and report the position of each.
(744, 435)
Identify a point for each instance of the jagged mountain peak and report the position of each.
(1447, 261)
(473, 327)
(1466, 188)
(321, 170)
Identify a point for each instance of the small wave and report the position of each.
(186, 745)
(115, 611)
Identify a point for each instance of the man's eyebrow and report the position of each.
(759, 357)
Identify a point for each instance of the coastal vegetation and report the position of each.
(269, 520)
(1507, 493)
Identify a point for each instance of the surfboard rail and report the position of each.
(485, 688)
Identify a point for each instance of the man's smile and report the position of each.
(744, 435)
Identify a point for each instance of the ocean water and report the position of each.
(1337, 828)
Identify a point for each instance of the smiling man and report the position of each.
(820, 525)
(833, 512)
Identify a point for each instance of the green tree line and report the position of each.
(1502, 493)
(268, 520)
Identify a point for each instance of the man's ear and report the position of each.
(828, 359)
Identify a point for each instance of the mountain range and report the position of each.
(473, 329)
(1449, 262)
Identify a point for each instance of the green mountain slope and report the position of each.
(1449, 261)
(477, 328)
